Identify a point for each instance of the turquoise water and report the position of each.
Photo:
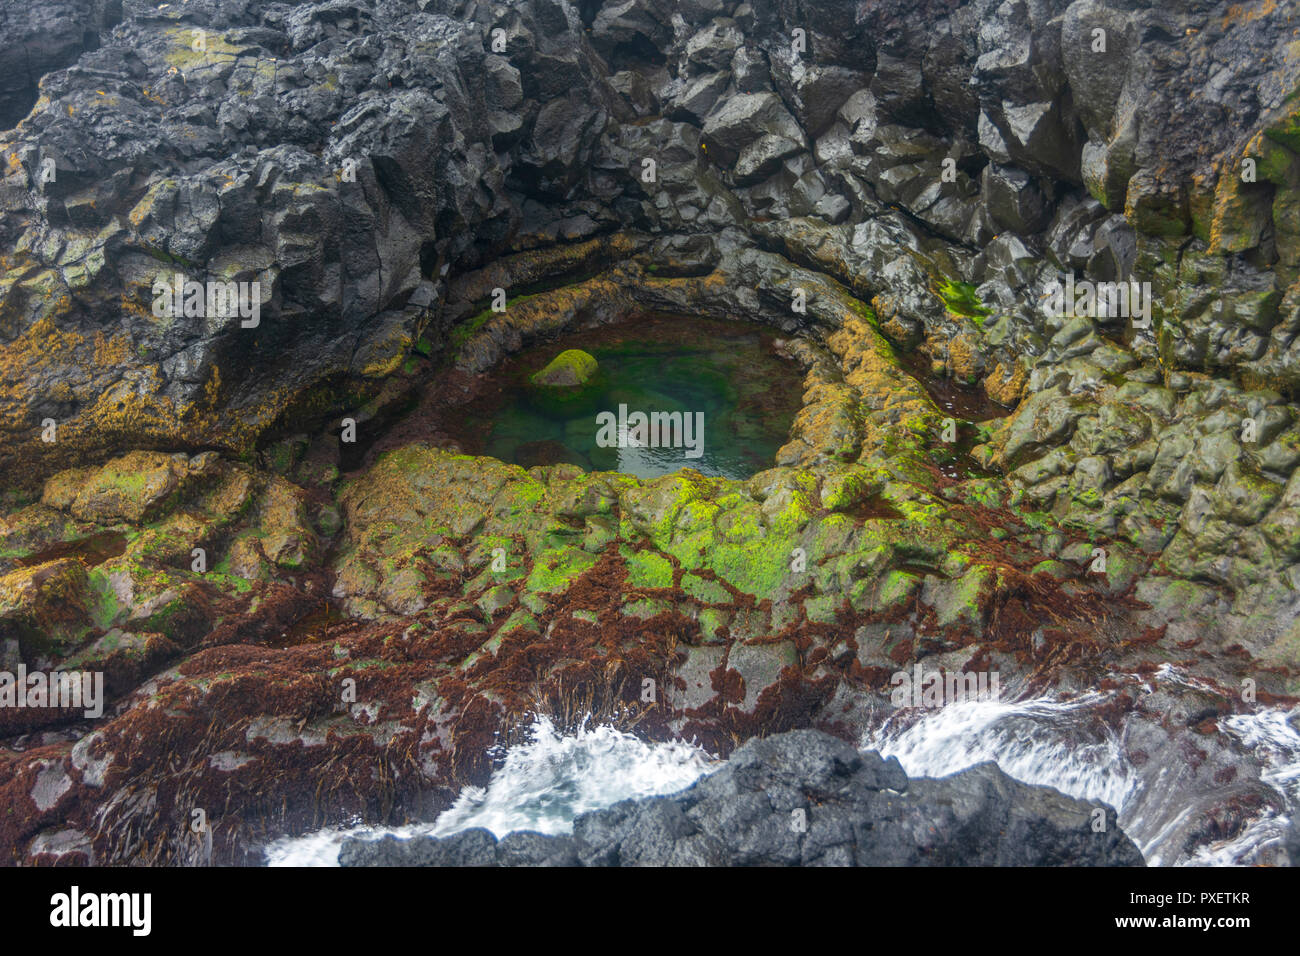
(734, 396)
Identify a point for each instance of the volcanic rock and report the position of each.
(801, 799)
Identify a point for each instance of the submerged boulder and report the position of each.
(570, 384)
(572, 368)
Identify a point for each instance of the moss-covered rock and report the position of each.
(572, 368)
(46, 608)
(648, 569)
(570, 384)
(131, 488)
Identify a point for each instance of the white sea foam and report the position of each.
(1036, 741)
(541, 785)
(1052, 742)
(1273, 738)
(545, 783)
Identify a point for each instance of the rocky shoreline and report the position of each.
(802, 798)
(297, 629)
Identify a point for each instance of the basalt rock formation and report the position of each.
(801, 798)
(256, 526)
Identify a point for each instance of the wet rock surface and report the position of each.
(800, 799)
(310, 606)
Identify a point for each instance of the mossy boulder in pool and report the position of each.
(571, 368)
(570, 384)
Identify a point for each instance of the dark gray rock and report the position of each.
(475, 847)
(632, 31)
(712, 48)
(803, 798)
(698, 97)
(743, 119)
(230, 164)
(749, 67)
(38, 38)
(1014, 199)
(1096, 77)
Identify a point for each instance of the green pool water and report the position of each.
(726, 377)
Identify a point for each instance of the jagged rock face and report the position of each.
(340, 157)
(922, 172)
(40, 40)
(345, 156)
(800, 799)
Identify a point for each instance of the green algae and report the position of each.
(704, 590)
(960, 298)
(648, 569)
(570, 369)
(895, 588)
(556, 568)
